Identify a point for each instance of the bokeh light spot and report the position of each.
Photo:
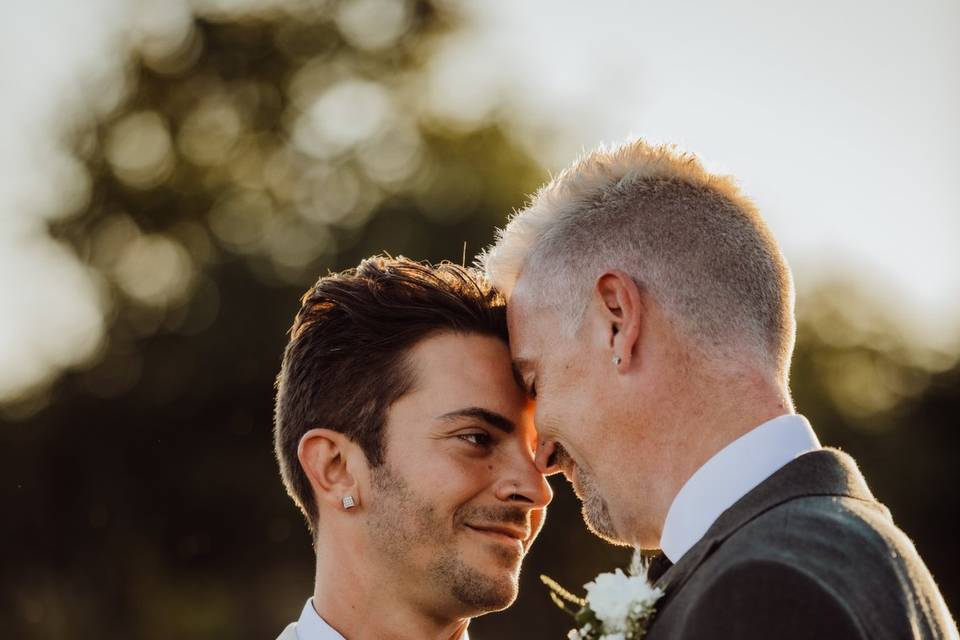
(210, 131)
(373, 24)
(329, 194)
(392, 157)
(154, 270)
(349, 112)
(139, 150)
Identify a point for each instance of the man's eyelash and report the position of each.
(483, 439)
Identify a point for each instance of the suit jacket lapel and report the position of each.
(826, 472)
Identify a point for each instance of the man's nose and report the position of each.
(526, 485)
(546, 458)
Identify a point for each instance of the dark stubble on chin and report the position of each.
(401, 521)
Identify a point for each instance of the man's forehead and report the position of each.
(519, 305)
(448, 356)
(518, 325)
(528, 321)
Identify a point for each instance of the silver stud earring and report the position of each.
(348, 502)
(616, 361)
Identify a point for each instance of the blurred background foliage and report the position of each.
(244, 152)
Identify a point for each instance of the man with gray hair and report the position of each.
(651, 315)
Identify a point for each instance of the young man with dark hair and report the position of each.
(403, 436)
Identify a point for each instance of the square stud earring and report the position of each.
(348, 502)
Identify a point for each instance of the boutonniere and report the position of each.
(618, 606)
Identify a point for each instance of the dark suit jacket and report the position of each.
(809, 553)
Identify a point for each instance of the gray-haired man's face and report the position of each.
(578, 419)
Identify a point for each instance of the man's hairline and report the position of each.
(571, 319)
(407, 365)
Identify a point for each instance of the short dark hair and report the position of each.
(346, 361)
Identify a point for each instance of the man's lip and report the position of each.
(521, 535)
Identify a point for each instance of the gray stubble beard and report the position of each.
(595, 510)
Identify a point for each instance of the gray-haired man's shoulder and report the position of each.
(809, 549)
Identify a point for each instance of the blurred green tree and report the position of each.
(254, 150)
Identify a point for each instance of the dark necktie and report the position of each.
(658, 566)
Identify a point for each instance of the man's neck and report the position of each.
(718, 422)
(729, 475)
(361, 603)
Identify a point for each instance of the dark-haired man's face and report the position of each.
(458, 501)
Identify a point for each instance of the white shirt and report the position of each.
(311, 626)
(729, 475)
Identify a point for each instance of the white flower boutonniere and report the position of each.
(617, 607)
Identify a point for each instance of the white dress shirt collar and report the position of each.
(312, 627)
(729, 475)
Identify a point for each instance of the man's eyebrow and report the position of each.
(478, 413)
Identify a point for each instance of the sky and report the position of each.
(52, 309)
(839, 118)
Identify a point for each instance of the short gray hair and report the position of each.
(690, 239)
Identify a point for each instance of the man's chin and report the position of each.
(487, 590)
(594, 509)
(496, 567)
(601, 526)
(475, 579)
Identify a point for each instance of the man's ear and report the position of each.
(621, 308)
(323, 454)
